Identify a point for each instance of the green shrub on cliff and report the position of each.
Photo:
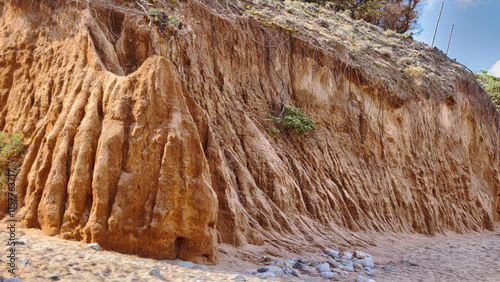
(491, 85)
(11, 150)
(294, 120)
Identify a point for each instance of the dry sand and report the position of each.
(454, 257)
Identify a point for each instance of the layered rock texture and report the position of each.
(157, 144)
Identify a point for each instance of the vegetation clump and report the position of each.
(490, 84)
(11, 150)
(161, 19)
(294, 120)
(397, 15)
(414, 71)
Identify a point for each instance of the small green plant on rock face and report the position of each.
(274, 131)
(294, 120)
(11, 149)
(161, 19)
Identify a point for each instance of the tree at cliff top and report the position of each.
(491, 85)
(398, 15)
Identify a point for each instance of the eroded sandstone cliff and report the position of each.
(161, 148)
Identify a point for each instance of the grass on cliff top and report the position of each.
(388, 60)
(381, 56)
(490, 84)
(11, 151)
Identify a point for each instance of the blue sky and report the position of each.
(476, 36)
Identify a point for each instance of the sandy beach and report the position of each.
(454, 257)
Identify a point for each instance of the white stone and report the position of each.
(186, 264)
(94, 246)
(347, 255)
(348, 265)
(363, 279)
(275, 270)
(334, 263)
(332, 253)
(266, 275)
(239, 278)
(155, 272)
(324, 267)
(366, 262)
(361, 255)
(327, 274)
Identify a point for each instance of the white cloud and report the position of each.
(495, 69)
(430, 3)
(466, 3)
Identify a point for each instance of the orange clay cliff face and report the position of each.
(161, 148)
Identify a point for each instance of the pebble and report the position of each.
(324, 267)
(357, 266)
(266, 259)
(361, 255)
(386, 268)
(327, 274)
(335, 270)
(18, 242)
(314, 262)
(347, 255)
(287, 271)
(266, 275)
(297, 265)
(363, 279)
(346, 262)
(155, 272)
(262, 269)
(302, 260)
(332, 253)
(311, 279)
(54, 277)
(348, 266)
(186, 264)
(366, 262)
(94, 246)
(24, 262)
(8, 247)
(334, 263)
(204, 267)
(275, 270)
(296, 273)
(13, 279)
(250, 271)
(311, 271)
(279, 263)
(239, 278)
